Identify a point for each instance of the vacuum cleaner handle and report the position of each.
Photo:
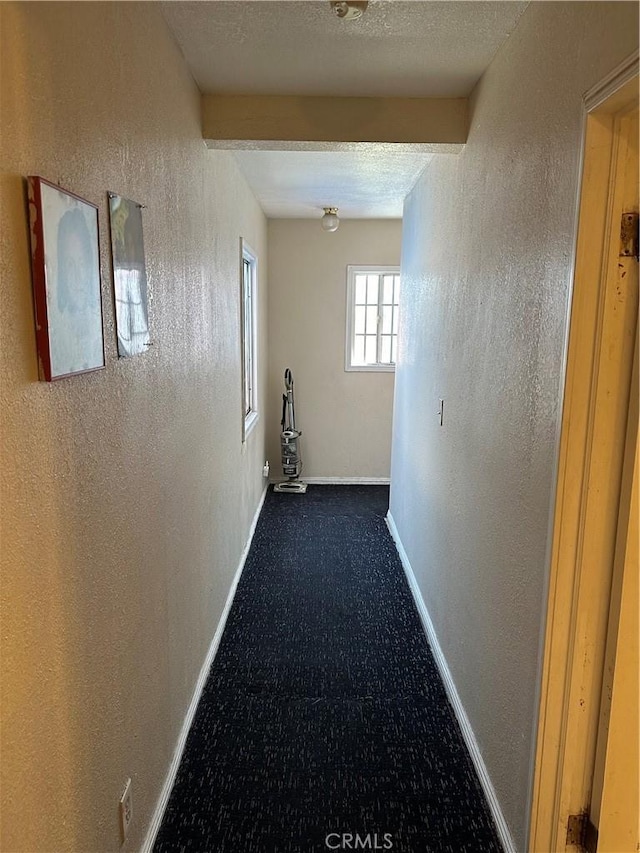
(288, 379)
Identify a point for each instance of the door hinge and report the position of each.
(629, 236)
(582, 833)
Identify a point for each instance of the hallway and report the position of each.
(130, 492)
(324, 716)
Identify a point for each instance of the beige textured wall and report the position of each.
(321, 119)
(126, 494)
(345, 416)
(487, 254)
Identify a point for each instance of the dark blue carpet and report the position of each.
(324, 721)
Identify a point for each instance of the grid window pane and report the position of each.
(394, 349)
(248, 336)
(372, 290)
(372, 319)
(373, 324)
(370, 349)
(387, 289)
(387, 319)
(385, 348)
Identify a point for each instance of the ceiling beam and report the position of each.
(232, 121)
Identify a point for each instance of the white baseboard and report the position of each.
(461, 715)
(344, 481)
(163, 799)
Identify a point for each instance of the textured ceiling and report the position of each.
(368, 184)
(421, 48)
(397, 49)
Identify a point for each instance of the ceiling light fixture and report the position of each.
(330, 219)
(349, 10)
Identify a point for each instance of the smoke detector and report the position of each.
(349, 10)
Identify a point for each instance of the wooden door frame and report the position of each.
(615, 794)
(559, 783)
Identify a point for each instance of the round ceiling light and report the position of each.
(330, 219)
(349, 10)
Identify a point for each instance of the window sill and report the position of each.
(370, 368)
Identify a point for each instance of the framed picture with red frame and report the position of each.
(65, 269)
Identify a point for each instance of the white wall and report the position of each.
(345, 416)
(487, 254)
(127, 495)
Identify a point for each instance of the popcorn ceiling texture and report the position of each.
(127, 494)
(488, 242)
(412, 43)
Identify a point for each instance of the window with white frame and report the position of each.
(372, 317)
(249, 329)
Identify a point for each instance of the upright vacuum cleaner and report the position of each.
(290, 442)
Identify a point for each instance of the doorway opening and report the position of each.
(581, 767)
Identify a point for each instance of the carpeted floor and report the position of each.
(324, 717)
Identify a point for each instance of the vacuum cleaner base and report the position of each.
(294, 486)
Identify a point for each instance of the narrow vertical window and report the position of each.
(248, 333)
(373, 295)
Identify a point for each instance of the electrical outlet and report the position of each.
(265, 469)
(126, 810)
